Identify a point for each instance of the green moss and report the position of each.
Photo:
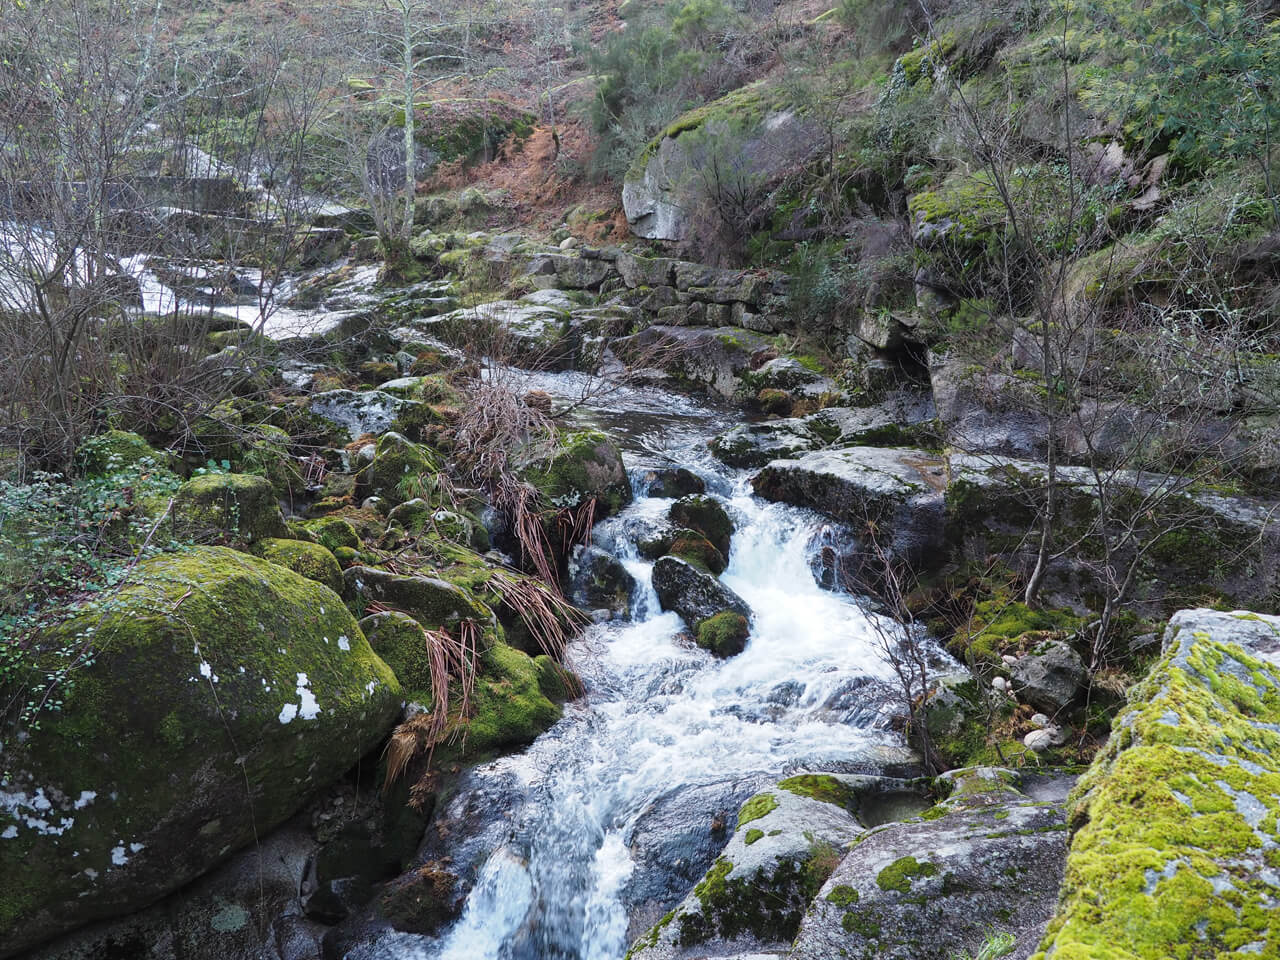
(510, 708)
(861, 924)
(229, 506)
(752, 836)
(736, 111)
(334, 533)
(824, 787)
(587, 466)
(692, 547)
(177, 706)
(724, 634)
(707, 517)
(843, 896)
(899, 874)
(1171, 813)
(761, 805)
(767, 905)
(309, 559)
(401, 470)
(402, 644)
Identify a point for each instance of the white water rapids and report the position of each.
(604, 813)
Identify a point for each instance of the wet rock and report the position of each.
(674, 840)
(1050, 677)
(219, 682)
(988, 858)
(788, 373)
(706, 516)
(598, 580)
(675, 482)
(1176, 817)
(788, 838)
(695, 595)
(756, 444)
(897, 489)
(710, 358)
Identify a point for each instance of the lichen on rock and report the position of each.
(1176, 822)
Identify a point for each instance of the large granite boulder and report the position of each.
(987, 859)
(788, 839)
(898, 490)
(1173, 852)
(216, 693)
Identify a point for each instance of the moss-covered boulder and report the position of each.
(783, 848)
(333, 533)
(268, 456)
(436, 604)
(1174, 845)
(113, 450)
(692, 547)
(938, 885)
(706, 516)
(218, 693)
(401, 470)
(510, 707)
(228, 506)
(309, 559)
(402, 644)
(725, 634)
(586, 467)
(665, 194)
(693, 593)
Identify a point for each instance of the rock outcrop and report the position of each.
(1175, 824)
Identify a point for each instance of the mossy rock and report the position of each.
(220, 431)
(333, 533)
(228, 506)
(706, 516)
(773, 402)
(587, 466)
(692, 547)
(402, 644)
(312, 560)
(725, 634)
(1174, 823)
(436, 604)
(509, 708)
(401, 470)
(114, 450)
(221, 693)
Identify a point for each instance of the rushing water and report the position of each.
(606, 821)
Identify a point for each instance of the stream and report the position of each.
(607, 820)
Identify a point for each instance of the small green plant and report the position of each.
(997, 944)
